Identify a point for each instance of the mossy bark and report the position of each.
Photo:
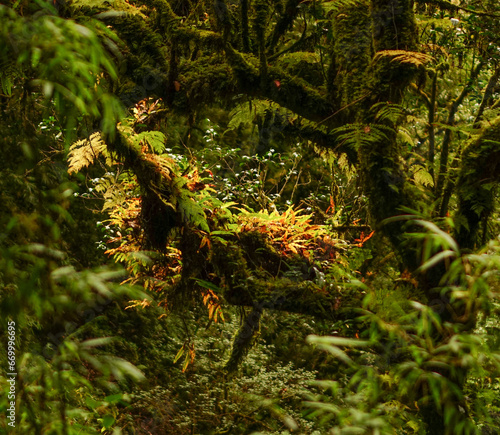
(351, 54)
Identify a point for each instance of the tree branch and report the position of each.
(445, 147)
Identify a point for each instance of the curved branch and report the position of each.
(445, 147)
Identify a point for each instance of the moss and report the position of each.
(288, 91)
(479, 174)
(245, 338)
(297, 95)
(393, 28)
(351, 52)
(203, 81)
(149, 47)
(304, 65)
(393, 25)
(260, 253)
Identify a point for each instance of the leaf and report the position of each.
(445, 237)
(423, 178)
(85, 152)
(405, 57)
(192, 212)
(179, 354)
(436, 259)
(155, 139)
(337, 341)
(108, 420)
(121, 368)
(186, 363)
(94, 342)
(206, 284)
(247, 112)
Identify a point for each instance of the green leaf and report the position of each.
(206, 284)
(179, 354)
(247, 112)
(438, 258)
(94, 342)
(192, 212)
(108, 420)
(444, 237)
(122, 368)
(337, 341)
(155, 139)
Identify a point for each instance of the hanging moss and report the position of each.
(245, 338)
(158, 219)
(245, 34)
(259, 27)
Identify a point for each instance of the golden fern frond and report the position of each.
(84, 152)
(403, 56)
(162, 164)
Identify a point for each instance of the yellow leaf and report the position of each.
(179, 354)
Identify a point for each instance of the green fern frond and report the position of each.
(362, 135)
(192, 212)
(85, 152)
(155, 139)
(8, 73)
(338, 5)
(387, 113)
(423, 178)
(247, 112)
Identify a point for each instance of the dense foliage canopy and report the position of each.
(254, 216)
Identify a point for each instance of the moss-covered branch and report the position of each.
(157, 218)
(286, 90)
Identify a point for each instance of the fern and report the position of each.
(362, 135)
(423, 178)
(336, 5)
(85, 152)
(191, 212)
(113, 190)
(155, 140)
(404, 57)
(246, 113)
(7, 75)
(387, 113)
